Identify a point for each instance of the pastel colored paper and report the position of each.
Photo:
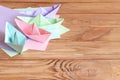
(14, 39)
(10, 53)
(29, 28)
(26, 9)
(52, 25)
(33, 32)
(38, 38)
(19, 43)
(35, 45)
(6, 15)
(48, 12)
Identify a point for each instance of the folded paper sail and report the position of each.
(33, 32)
(14, 39)
(52, 25)
(48, 12)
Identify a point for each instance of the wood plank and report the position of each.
(59, 69)
(85, 1)
(73, 50)
(79, 8)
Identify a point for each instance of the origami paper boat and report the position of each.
(33, 32)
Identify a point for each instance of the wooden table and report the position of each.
(90, 51)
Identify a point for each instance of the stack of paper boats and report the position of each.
(29, 28)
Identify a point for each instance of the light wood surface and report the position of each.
(90, 51)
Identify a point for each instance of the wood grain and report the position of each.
(90, 51)
(59, 69)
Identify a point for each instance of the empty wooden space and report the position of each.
(90, 51)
